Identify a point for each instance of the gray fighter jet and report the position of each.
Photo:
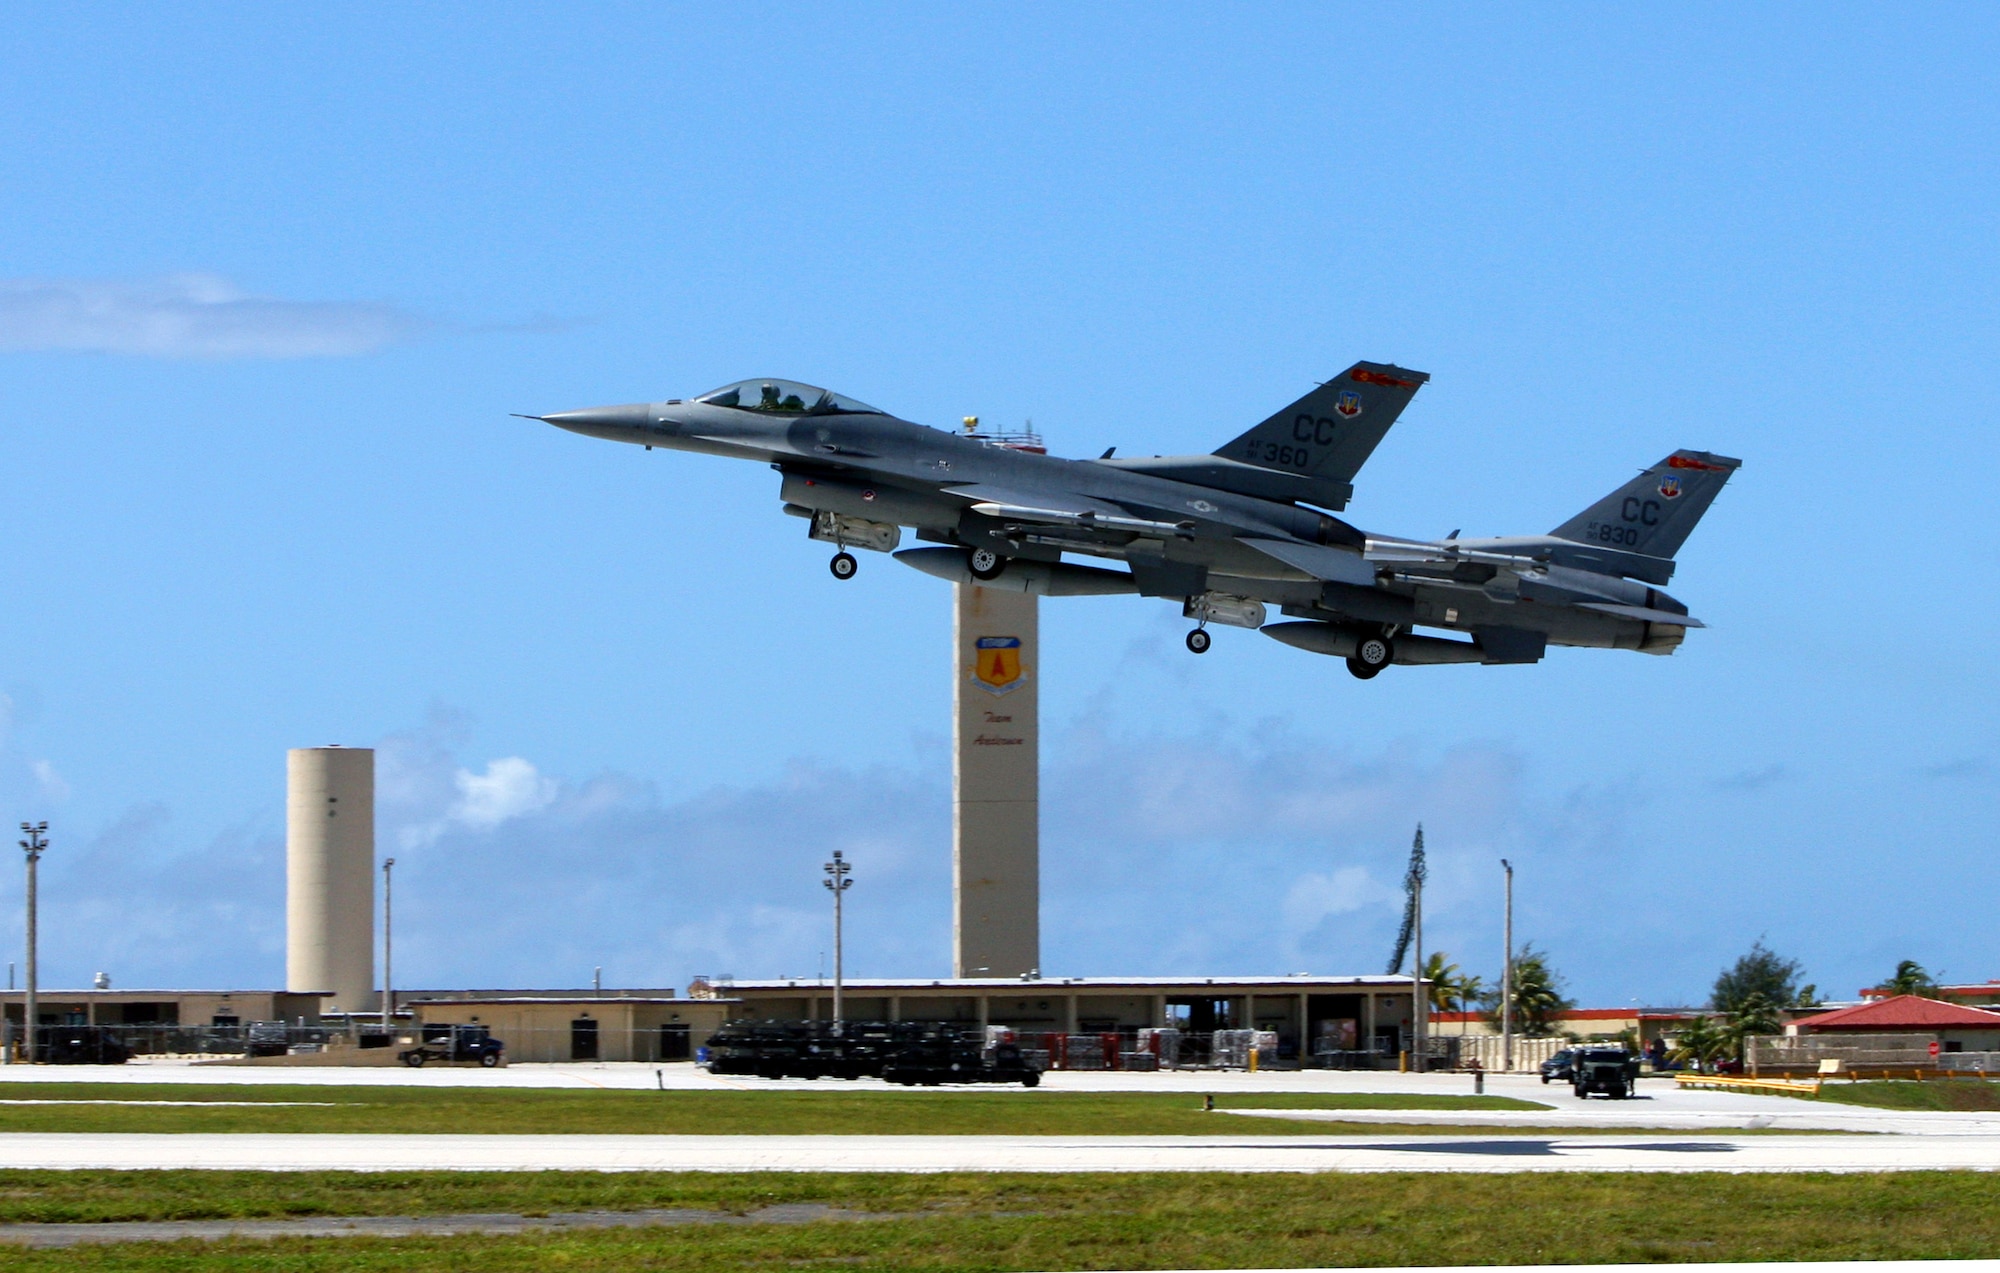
(1227, 535)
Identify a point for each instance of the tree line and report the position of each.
(1749, 997)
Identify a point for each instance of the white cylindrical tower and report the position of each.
(330, 875)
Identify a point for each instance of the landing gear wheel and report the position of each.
(1199, 640)
(1362, 670)
(985, 563)
(1375, 652)
(843, 565)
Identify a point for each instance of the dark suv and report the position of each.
(1560, 1066)
(448, 1043)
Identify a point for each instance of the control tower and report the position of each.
(995, 806)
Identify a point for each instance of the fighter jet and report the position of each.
(1228, 536)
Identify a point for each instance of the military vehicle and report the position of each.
(1611, 1072)
(79, 1045)
(906, 1052)
(1226, 536)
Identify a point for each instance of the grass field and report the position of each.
(841, 1111)
(1942, 1094)
(1047, 1222)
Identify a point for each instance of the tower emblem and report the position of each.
(996, 664)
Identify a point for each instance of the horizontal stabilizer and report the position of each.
(1642, 613)
(1334, 565)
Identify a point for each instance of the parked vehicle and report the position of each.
(1611, 1072)
(267, 1038)
(1558, 1066)
(447, 1043)
(79, 1045)
(947, 1055)
(906, 1052)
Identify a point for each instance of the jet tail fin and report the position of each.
(1655, 511)
(1330, 433)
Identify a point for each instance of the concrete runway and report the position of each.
(1661, 1106)
(1286, 1153)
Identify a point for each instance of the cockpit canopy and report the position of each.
(784, 397)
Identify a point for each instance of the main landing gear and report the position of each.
(1371, 655)
(843, 565)
(1198, 641)
(984, 563)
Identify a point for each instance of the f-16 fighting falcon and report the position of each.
(1226, 535)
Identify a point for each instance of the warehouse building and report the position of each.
(1365, 1020)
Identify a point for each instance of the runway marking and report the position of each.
(45, 1236)
(56, 1100)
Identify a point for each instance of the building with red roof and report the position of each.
(1977, 994)
(1954, 1027)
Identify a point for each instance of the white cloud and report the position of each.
(510, 788)
(1315, 897)
(188, 316)
(50, 781)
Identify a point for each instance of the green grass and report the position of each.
(842, 1110)
(1941, 1094)
(1049, 1222)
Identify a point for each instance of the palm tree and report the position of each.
(1702, 1040)
(1538, 997)
(1452, 988)
(1471, 989)
(1755, 1015)
(1443, 976)
(1911, 979)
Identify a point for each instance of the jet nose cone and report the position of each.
(603, 421)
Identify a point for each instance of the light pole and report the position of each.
(30, 1008)
(836, 882)
(1507, 977)
(388, 945)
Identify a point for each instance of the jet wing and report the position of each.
(1332, 564)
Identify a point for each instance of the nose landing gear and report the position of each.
(1198, 641)
(843, 565)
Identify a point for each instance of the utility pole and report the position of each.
(1420, 999)
(836, 882)
(388, 944)
(1507, 977)
(30, 1008)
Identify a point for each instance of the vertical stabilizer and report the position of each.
(1655, 511)
(1330, 433)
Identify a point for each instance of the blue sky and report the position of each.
(271, 284)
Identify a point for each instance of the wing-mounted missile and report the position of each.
(1027, 519)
